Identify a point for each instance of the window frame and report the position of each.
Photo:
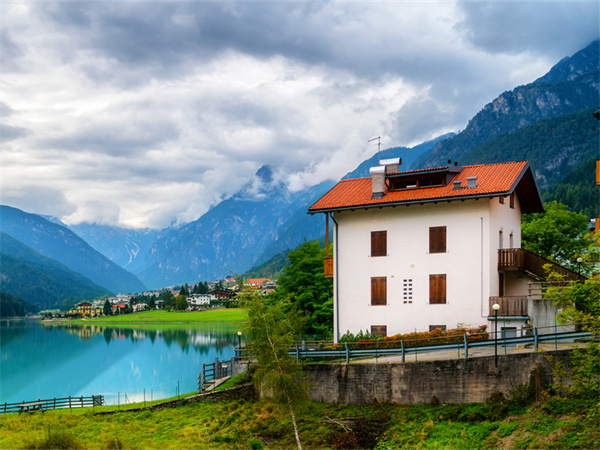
(438, 241)
(378, 291)
(378, 243)
(438, 289)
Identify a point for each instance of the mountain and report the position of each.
(570, 86)
(123, 246)
(230, 237)
(64, 246)
(41, 280)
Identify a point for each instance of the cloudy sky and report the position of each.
(147, 113)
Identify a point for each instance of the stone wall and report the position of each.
(451, 381)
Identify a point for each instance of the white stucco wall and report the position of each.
(469, 262)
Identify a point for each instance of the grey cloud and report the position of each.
(553, 28)
(9, 133)
(38, 200)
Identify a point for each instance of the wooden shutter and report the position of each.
(437, 240)
(378, 243)
(379, 330)
(437, 289)
(512, 200)
(378, 290)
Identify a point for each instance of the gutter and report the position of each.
(336, 282)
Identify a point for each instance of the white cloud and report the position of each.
(144, 114)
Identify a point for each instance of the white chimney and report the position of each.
(378, 180)
(456, 184)
(471, 182)
(391, 165)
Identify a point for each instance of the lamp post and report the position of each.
(579, 261)
(239, 333)
(496, 307)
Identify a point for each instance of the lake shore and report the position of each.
(219, 315)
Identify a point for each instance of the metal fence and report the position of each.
(374, 348)
(53, 403)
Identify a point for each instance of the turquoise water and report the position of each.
(124, 365)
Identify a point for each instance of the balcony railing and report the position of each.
(328, 266)
(515, 306)
(521, 259)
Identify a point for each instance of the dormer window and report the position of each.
(421, 179)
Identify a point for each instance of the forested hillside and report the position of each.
(561, 151)
(41, 280)
(13, 306)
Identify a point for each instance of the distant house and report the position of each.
(139, 306)
(258, 282)
(118, 309)
(199, 300)
(432, 248)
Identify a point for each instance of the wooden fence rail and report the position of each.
(214, 371)
(55, 403)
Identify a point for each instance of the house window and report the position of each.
(408, 290)
(378, 291)
(437, 327)
(437, 240)
(501, 199)
(437, 289)
(379, 330)
(511, 241)
(500, 240)
(512, 200)
(378, 243)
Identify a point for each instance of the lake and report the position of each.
(123, 364)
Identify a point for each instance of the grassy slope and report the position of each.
(235, 424)
(213, 315)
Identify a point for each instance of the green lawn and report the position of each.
(246, 424)
(231, 315)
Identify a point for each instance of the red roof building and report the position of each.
(432, 248)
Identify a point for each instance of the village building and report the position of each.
(434, 248)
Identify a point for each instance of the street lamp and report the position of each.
(239, 333)
(579, 261)
(496, 307)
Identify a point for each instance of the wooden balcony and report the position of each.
(328, 266)
(526, 261)
(515, 306)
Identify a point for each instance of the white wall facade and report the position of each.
(470, 264)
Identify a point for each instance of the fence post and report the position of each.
(69, 403)
(54, 402)
(347, 353)
(82, 401)
(376, 358)
(403, 350)
(458, 339)
(119, 401)
(535, 338)
(4, 407)
(144, 397)
(416, 346)
(466, 345)
(297, 352)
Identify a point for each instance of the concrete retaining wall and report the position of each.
(451, 381)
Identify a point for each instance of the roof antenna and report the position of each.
(378, 146)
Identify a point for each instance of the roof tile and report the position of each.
(492, 179)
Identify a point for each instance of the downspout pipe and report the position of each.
(336, 282)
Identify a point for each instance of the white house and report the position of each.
(199, 300)
(432, 248)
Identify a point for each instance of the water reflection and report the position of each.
(61, 359)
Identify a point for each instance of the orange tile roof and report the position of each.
(492, 180)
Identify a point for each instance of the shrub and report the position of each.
(55, 439)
